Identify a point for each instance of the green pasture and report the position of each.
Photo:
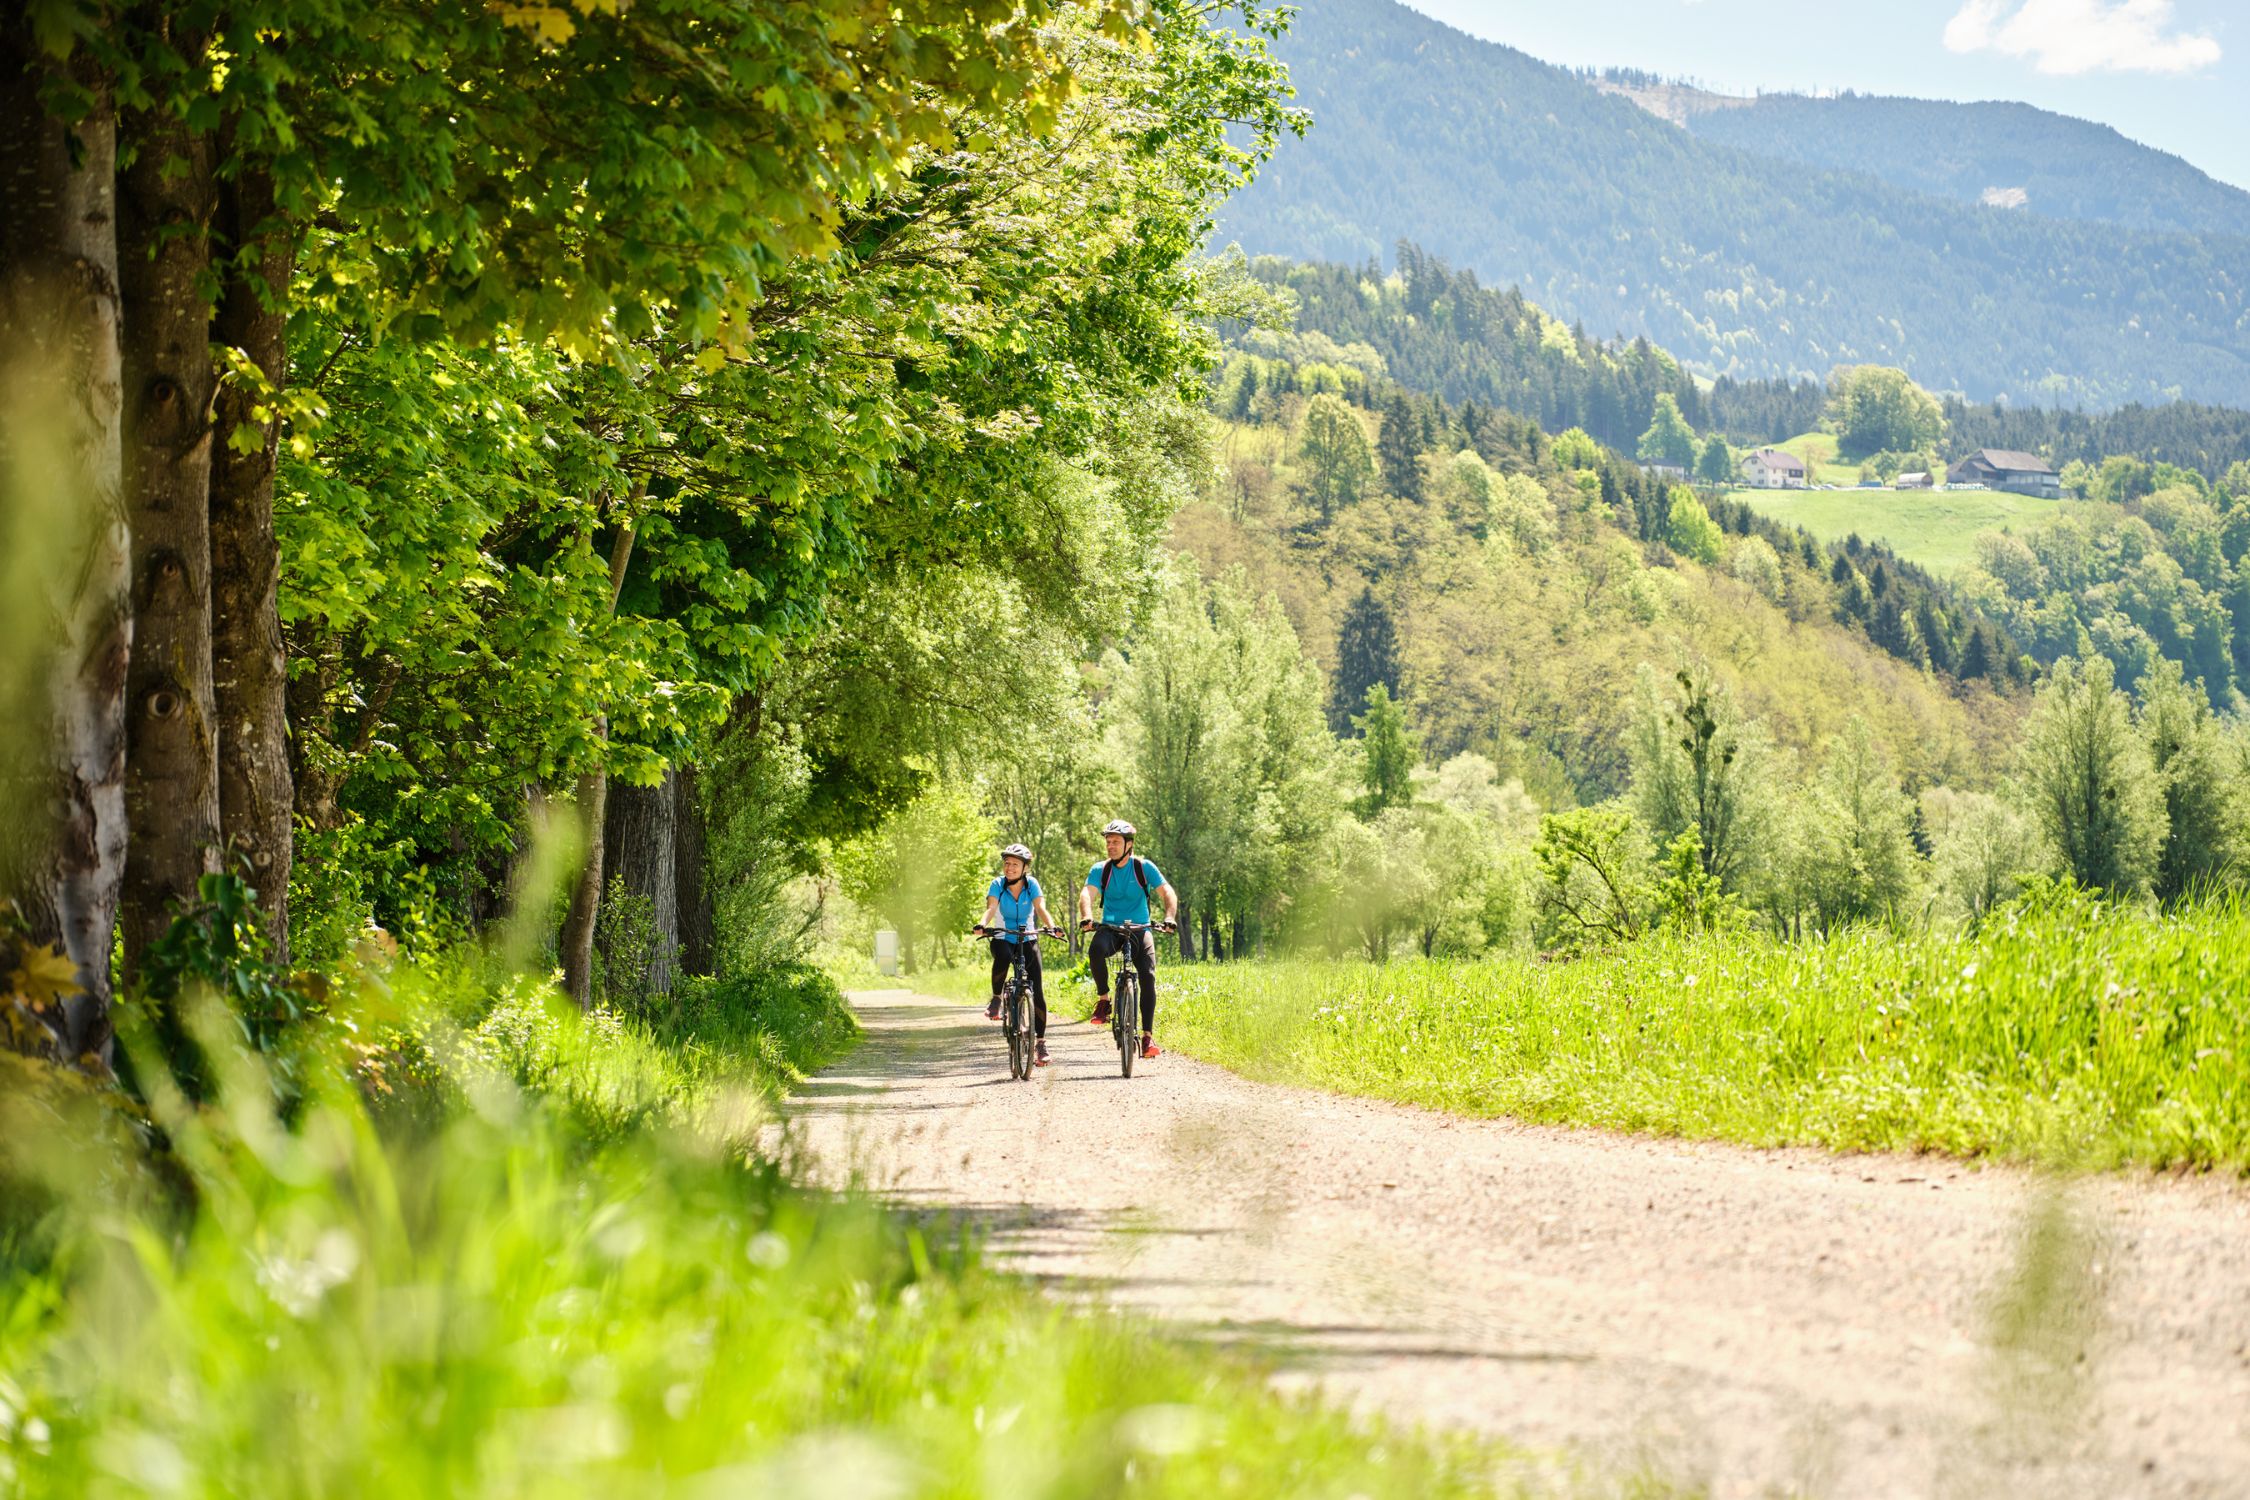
(1936, 529)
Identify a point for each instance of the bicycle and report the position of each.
(1125, 1012)
(1015, 1011)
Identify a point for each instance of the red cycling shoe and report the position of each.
(1100, 1017)
(1149, 1047)
(992, 1010)
(1039, 1055)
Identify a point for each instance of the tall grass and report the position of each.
(498, 1249)
(2073, 1032)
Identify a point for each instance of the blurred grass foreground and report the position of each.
(463, 1240)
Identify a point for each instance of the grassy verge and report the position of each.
(2101, 1037)
(494, 1248)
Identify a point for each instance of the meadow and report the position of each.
(489, 1246)
(2071, 1034)
(1936, 529)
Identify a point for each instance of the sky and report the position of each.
(2173, 74)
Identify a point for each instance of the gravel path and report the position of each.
(1758, 1322)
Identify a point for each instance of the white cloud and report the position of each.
(2082, 36)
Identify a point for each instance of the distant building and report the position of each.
(1664, 471)
(2005, 469)
(1917, 480)
(1773, 469)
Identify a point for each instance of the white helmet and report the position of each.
(1119, 827)
(1019, 851)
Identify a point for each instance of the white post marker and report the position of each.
(886, 951)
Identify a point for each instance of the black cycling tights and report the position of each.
(1142, 948)
(1003, 952)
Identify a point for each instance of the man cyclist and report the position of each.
(1121, 885)
(1014, 910)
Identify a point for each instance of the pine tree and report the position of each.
(1976, 656)
(1892, 628)
(1936, 638)
(1398, 451)
(1366, 658)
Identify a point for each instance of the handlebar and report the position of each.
(984, 933)
(1086, 926)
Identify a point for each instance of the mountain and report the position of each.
(1741, 265)
(2005, 155)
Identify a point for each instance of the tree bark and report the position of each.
(250, 678)
(164, 207)
(1187, 932)
(699, 926)
(64, 542)
(640, 846)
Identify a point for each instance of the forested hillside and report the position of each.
(2159, 576)
(1437, 329)
(1509, 586)
(2006, 154)
(1739, 265)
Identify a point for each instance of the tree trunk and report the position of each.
(1187, 932)
(250, 679)
(699, 926)
(639, 845)
(65, 610)
(164, 207)
(577, 940)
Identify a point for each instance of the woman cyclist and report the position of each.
(1014, 911)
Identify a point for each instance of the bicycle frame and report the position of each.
(1015, 1013)
(1125, 1008)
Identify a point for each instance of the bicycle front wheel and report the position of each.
(1127, 1023)
(1020, 1040)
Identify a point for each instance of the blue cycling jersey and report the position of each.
(1016, 912)
(1123, 900)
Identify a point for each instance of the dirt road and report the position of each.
(1760, 1322)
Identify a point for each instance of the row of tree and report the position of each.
(2146, 798)
(1206, 728)
(587, 379)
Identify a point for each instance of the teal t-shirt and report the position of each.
(1125, 901)
(1015, 911)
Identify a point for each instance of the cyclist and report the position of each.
(1121, 885)
(1016, 908)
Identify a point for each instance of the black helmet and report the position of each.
(1019, 851)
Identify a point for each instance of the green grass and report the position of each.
(547, 1260)
(2079, 1035)
(1936, 529)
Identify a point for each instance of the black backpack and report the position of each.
(1138, 874)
